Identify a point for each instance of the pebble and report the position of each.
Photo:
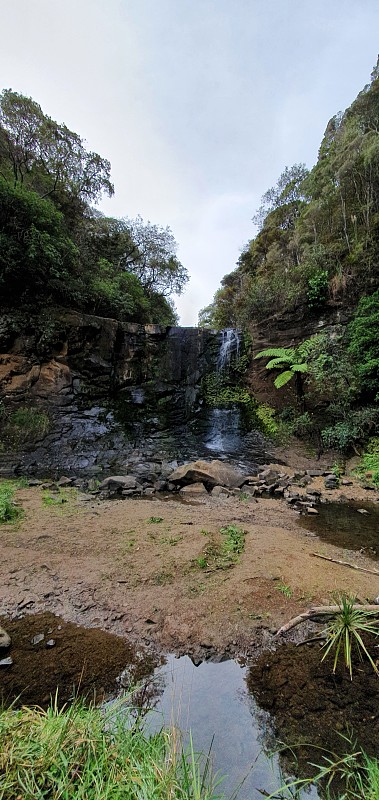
(362, 511)
(50, 643)
(38, 638)
(6, 662)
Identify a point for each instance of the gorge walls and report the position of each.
(103, 387)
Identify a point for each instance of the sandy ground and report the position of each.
(108, 564)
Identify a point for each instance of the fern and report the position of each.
(276, 362)
(283, 378)
(277, 352)
(299, 367)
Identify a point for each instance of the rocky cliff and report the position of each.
(104, 387)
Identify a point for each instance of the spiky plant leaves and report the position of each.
(346, 629)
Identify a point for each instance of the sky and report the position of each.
(198, 104)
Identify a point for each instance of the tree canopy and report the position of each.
(54, 246)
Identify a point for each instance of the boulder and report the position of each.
(118, 483)
(213, 473)
(193, 488)
(218, 491)
(5, 639)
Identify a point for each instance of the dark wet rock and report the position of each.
(331, 482)
(5, 639)
(210, 473)
(268, 476)
(6, 662)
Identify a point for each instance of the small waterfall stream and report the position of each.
(230, 346)
(224, 430)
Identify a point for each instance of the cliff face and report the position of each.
(103, 385)
(288, 329)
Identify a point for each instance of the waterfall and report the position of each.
(230, 345)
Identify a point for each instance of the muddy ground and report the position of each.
(135, 567)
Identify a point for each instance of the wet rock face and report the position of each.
(105, 387)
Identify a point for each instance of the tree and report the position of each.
(154, 259)
(46, 156)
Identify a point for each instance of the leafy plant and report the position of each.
(155, 520)
(26, 425)
(370, 461)
(318, 286)
(287, 359)
(346, 630)
(284, 589)
(9, 512)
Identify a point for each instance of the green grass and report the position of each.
(9, 512)
(350, 776)
(284, 589)
(79, 753)
(222, 555)
(62, 501)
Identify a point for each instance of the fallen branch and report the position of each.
(346, 564)
(321, 614)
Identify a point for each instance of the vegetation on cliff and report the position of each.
(317, 248)
(55, 248)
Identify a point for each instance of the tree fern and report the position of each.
(277, 352)
(283, 378)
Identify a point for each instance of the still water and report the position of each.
(212, 701)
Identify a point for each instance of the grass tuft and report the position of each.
(79, 753)
(9, 512)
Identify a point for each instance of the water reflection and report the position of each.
(212, 701)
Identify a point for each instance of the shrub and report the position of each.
(8, 511)
(24, 426)
(370, 460)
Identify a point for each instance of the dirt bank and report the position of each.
(139, 568)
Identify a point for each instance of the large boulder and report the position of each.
(213, 473)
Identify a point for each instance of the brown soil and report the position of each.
(109, 565)
(67, 661)
(308, 704)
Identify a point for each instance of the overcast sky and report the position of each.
(198, 104)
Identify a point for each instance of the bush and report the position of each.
(23, 426)
(370, 460)
(364, 344)
(8, 511)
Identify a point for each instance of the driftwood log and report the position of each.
(322, 614)
(346, 564)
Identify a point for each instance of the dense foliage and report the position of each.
(318, 237)
(317, 248)
(54, 247)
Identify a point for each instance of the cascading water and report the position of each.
(230, 346)
(223, 435)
